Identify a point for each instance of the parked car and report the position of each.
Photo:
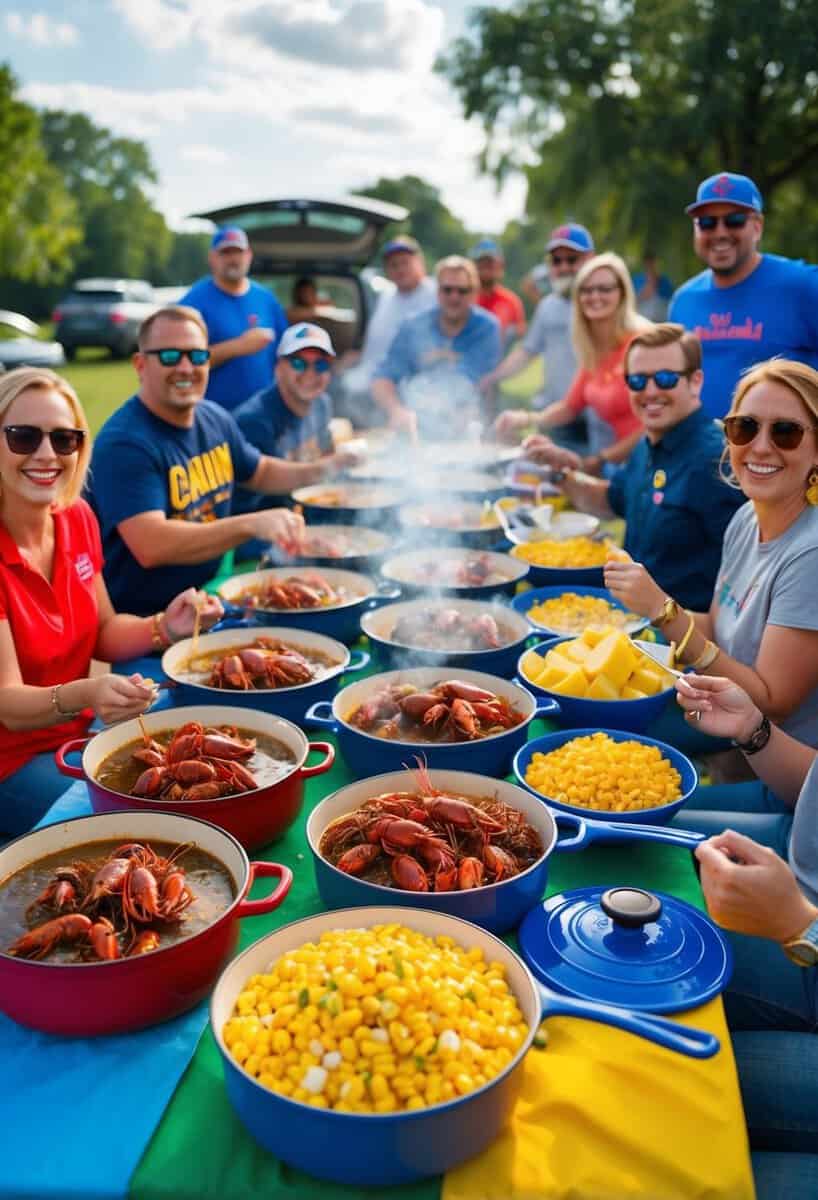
(103, 312)
(22, 346)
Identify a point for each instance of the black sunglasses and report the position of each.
(559, 259)
(448, 288)
(666, 380)
(170, 358)
(25, 439)
(786, 435)
(733, 220)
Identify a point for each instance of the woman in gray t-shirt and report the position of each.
(762, 627)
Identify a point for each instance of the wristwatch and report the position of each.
(669, 610)
(803, 950)
(757, 740)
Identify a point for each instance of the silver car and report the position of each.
(103, 312)
(21, 345)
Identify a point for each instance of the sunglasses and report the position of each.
(666, 380)
(320, 365)
(733, 220)
(603, 288)
(570, 260)
(170, 357)
(448, 288)
(25, 439)
(785, 435)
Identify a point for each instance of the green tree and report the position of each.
(437, 229)
(188, 259)
(38, 225)
(626, 105)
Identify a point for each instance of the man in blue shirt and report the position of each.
(675, 504)
(747, 306)
(429, 376)
(163, 472)
(244, 320)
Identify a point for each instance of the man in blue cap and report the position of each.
(747, 306)
(244, 320)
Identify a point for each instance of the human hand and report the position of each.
(180, 614)
(508, 424)
(280, 525)
(121, 697)
(749, 889)
(725, 709)
(634, 586)
(255, 339)
(404, 420)
(540, 449)
(343, 458)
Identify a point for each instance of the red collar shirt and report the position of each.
(54, 624)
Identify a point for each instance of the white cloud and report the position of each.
(163, 24)
(209, 155)
(40, 30)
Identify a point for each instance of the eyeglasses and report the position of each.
(786, 435)
(732, 220)
(25, 439)
(448, 288)
(170, 357)
(666, 380)
(570, 260)
(320, 365)
(604, 289)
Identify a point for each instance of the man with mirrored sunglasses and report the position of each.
(746, 306)
(675, 504)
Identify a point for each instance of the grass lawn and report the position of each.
(101, 383)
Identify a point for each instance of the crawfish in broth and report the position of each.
(448, 629)
(449, 711)
(308, 590)
(261, 664)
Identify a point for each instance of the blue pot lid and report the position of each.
(626, 946)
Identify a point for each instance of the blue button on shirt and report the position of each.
(676, 508)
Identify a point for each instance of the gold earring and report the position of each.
(812, 489)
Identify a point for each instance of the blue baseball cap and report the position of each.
(486, 248)
(402, 243)
(727, 188)
(575, 237)
(229, 237)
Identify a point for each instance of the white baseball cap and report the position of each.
(301, 336)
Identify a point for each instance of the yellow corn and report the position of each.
(597, 772)
(571, 552)
(571, 613)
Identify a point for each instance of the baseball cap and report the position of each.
(575, 237)
(404, 242)
(727, 188)
(486, 248)
(301, 337)
(229, 236)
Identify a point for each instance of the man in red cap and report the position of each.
(746, 306)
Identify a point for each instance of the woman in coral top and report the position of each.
(55, 614)
(604, 319)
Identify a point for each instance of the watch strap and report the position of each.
(803, 950)
(757, 740)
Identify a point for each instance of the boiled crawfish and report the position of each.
(268, 663)
(309, 590)
(198, 763)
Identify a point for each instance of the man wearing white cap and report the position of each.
(747, 306)
(244, 320)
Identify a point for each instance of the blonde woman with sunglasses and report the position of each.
(761, 631)
(55, 613)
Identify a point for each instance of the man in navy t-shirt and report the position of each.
(244, 320)
(747, 306)
(164, 468)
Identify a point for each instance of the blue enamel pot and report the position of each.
(574, 711)
(497, 907)
(383, 1150)
(341, 621)
(290, 702)
(658, 815)
(433, 570)
(392, 650)
(350, 547)
(350, 503)
(449, 522)
(527, 600)
(368, 755)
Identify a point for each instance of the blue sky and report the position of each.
(247, 99)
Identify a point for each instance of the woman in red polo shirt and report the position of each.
(55, 613)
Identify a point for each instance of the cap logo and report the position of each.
(723, 185)
(562, 231)
(302, 332)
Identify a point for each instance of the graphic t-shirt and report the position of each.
(769, 583)
(228, 316)
(144, 464)
(774, 311)
(54, 623)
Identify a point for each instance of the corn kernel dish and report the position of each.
(601, 664)
(570, 552)
(598, 773)
(573, 613)
(378, 1020)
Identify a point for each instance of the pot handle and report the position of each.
(386, 593)
(358, 659)
(262, 870)
(325, 763)
(234, 618)
(579, 825)
(315, 720)
(71, 747)
(616, 831)
(694, 1043)
(547, 708)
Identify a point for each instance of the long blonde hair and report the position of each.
(20, 380)
(628, 320)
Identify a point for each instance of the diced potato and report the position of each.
(647, 681)
(548, 677)
(602, 689)
(560, 662)
(574, 684)
(577, 650)
(533, 664)
(592, 637)
(632, 693)
(613, 657)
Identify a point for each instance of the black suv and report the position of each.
(103, 312)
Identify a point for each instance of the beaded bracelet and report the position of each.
(159, 640)
(55, 704)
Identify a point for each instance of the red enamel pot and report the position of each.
(255, 818)
(87, 999)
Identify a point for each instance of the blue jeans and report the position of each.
(28, 793)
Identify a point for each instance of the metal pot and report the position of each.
(357, 503)
(410, 571)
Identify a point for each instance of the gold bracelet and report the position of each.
(668, 611)
(680, 649)
(159, 640)
(707, 657)
(55, 704)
